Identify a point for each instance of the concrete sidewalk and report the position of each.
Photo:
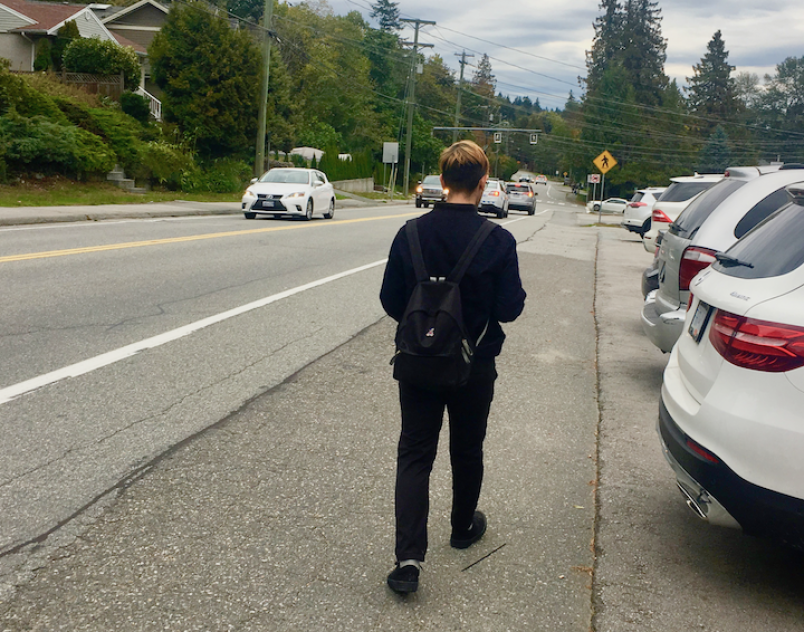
(280, 517)
(14, 216)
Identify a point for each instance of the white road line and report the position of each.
(105, 359)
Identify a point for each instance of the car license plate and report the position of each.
(699, 319)
(267, 204)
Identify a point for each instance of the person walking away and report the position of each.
(490, 293)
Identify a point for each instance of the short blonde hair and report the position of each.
(462, 165)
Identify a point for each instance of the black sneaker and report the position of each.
(404, 579)
(467, 538)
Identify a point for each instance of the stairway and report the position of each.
(118, 177)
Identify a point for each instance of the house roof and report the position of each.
(140, 50)
(45, 14)
(133, 8)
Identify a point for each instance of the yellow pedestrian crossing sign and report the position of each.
(604, 162)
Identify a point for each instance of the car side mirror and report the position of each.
(253, 180)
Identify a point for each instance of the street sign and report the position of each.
(390, 153)
(497, 137)
(604, 162)
(593, 178)
(534, 139)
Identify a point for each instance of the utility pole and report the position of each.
(412, 95)
(457, 122)
(268, 13)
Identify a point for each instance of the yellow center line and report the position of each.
(175, 240)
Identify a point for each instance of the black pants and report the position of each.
(422, 416)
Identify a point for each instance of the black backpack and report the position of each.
(433, 349)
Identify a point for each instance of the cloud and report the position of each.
(551, 41)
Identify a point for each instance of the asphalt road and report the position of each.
(240, 477)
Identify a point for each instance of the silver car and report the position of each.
(710, 224)
(521, 197)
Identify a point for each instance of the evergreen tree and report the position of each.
(607, 43)
(386, 13)
(644, 51)
(715, 155)
(712, 91)
(209, 75)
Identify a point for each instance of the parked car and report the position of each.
(668, 207)
(521, 197)
(612, 205)
(636, 217)
(295, 192)
(430, 191)
(495, 199)
(710, 224)
(730, 414)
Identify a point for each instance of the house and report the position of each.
(24, 24)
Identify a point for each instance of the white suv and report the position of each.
(636, 218)
(668, 207)
(710, 224)
(730, 414)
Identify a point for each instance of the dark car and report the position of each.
(430, 191)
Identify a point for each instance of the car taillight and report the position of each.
(692, 262)
(637, 204)
(660, 216)
(495, 193)
(530, 193)
(701, 451)
(759, 345)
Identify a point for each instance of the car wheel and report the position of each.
(500, 214)
(331, 211)
(308, 213)
(596, 208)
(645, 228)
(532, 210)
(418, 203)
(250, 215)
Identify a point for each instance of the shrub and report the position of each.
(103, 57)
(136, 107)
(164, 164)
(17, 96)
(220, 176)
(40, 144)
(121, 132)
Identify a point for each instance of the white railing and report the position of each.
(154, 103)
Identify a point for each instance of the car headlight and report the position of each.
(446, 191)
(249, 194)
(297, 194)
(418, 189)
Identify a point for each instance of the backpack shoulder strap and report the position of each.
(416, 250)
(471, 250)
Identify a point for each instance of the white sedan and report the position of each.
(612, 205)
(293, 192)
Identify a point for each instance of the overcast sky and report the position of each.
(546, 41)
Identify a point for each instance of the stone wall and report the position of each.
(363, 185)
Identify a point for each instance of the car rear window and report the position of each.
(695, 214)
(772, 249)
(637, 196)
(518, 188)
(760, 211)
(683, 191)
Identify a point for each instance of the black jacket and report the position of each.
(491, 290)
